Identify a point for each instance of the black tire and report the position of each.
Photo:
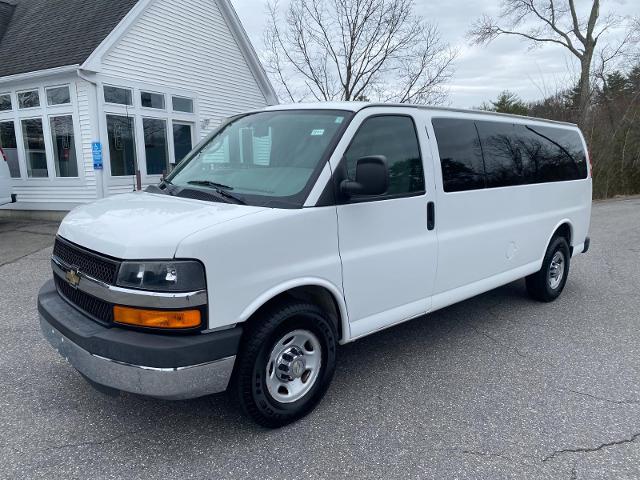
(539, 285)
(248, 384)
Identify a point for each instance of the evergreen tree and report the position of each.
(616, 85)
(507, 102)
(633, 80)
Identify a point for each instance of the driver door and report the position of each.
(388, 250)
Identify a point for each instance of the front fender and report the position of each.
(272, 293)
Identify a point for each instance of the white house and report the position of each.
(134, 82)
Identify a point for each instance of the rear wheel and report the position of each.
(285, 364)
(547, 284)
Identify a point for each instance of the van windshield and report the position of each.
(265, 158)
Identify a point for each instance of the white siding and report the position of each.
(52, 196)
(187, 45)
(84, 89)
(119, 189)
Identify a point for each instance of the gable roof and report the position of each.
(43, 34)
(39, 35)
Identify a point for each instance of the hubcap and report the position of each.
(294, 365)
(556, 270)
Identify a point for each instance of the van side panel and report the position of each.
(488, 232)
(492, 236)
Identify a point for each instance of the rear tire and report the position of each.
(285, 364)
(547, 284)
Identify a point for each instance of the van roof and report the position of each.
(358, 106)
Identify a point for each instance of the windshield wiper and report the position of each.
(209, 183)
(220, 189)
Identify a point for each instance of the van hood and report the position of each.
(139, 226)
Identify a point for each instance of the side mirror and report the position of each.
(372, 178)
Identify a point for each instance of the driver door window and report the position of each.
(394, 137)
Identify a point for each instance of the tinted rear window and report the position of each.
(460, 154)
(485, 154)
(558, 153)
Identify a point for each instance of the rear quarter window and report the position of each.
(559, 154)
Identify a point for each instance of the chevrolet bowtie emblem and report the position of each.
(73, 278)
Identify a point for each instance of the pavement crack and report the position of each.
(601, 399)
(16, 260)
(33, 232)
(498, 342)
(602, 446)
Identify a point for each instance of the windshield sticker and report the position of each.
(339, 119)
(317, 133)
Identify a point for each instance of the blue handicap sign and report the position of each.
(96, 150)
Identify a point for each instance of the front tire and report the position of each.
(285, 364)
(547, 284)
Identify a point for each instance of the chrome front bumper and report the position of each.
(164, 383)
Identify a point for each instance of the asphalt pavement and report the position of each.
(496, 387)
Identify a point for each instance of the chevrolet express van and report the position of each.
(294, 229)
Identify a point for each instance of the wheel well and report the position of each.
(564, 230)
(317, 295)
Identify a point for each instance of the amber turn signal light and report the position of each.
(157, 318)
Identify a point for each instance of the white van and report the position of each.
(297, 228)
(5, 179)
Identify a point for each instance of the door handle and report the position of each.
(431, 216)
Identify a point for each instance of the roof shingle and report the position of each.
(42, 34)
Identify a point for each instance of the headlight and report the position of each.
(178, 276)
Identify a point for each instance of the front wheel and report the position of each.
(286, 363)
(547, 284)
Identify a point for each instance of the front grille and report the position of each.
(98, 309)
(89, 263)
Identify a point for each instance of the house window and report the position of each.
(9, 146)
(182, 140)
(5, 102)
(34, 148)
(29, 99)
(152, 100)
(58, 96)
(181, 104)
(122, 145)
(155, 145)
(119, 96)
(64, 148)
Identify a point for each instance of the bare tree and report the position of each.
(611, 56)
(555, 22)
(356, 50)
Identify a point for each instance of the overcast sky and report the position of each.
(481, 72)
